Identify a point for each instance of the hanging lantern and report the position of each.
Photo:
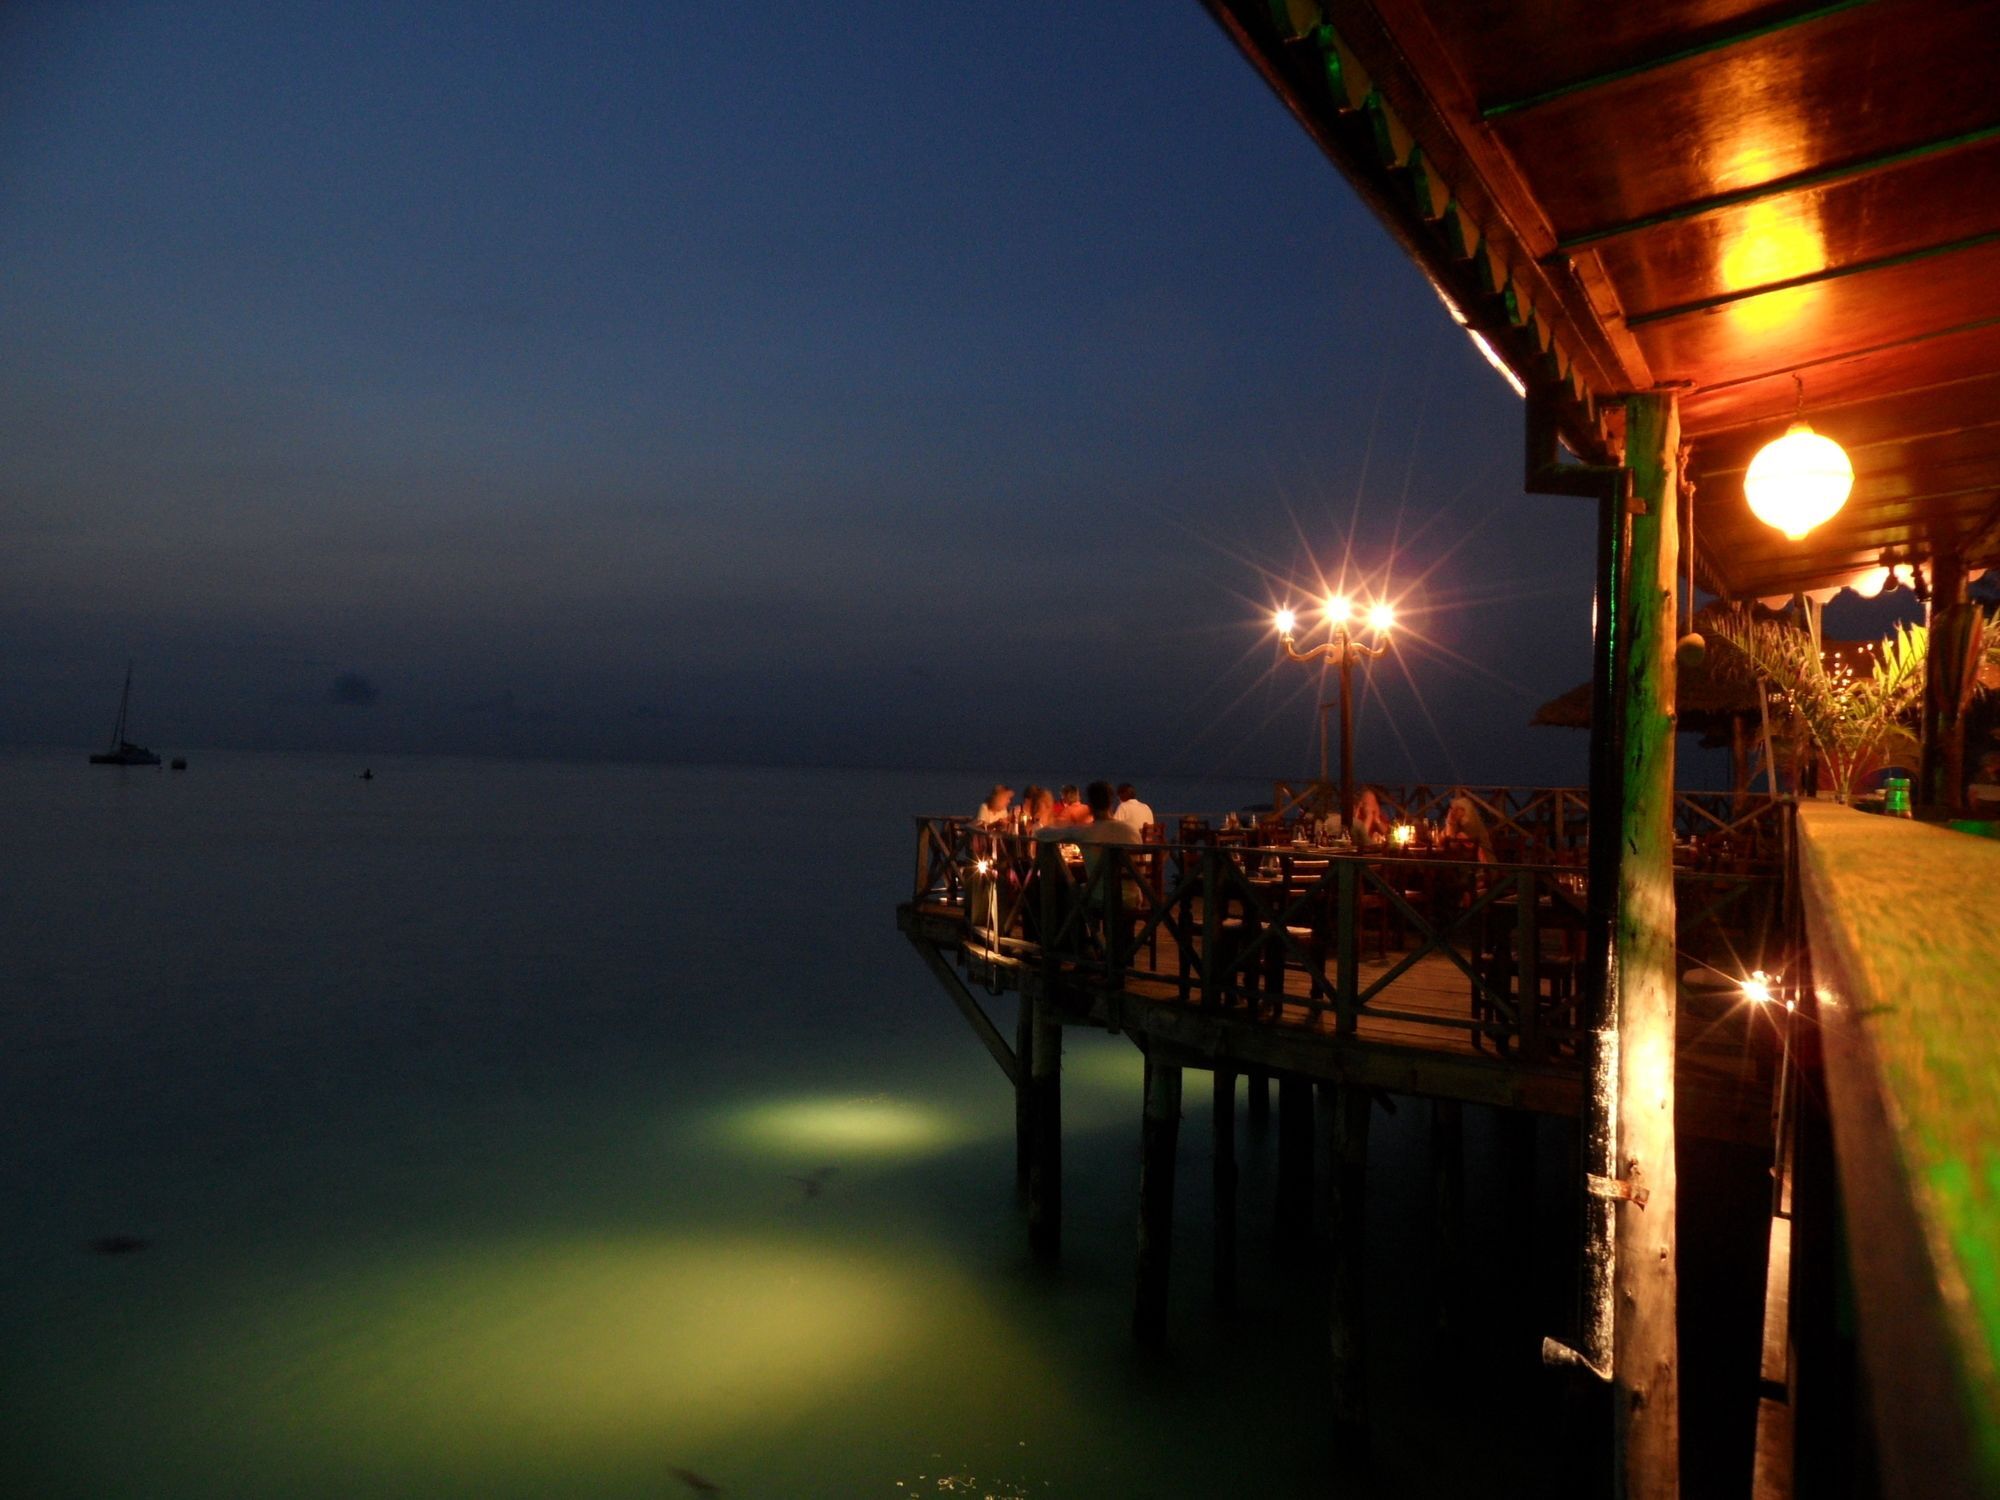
(1799, 481)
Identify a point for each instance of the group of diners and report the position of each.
(1462, 826)
(1103, 814)
(1098, 814)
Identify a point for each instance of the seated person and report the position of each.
(1040, 808)
(1091, 836)
(1464, 824)
(1131, 810)
(1070, 810)
(1371, 824)
(994, 808)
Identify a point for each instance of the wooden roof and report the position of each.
(1707, 195)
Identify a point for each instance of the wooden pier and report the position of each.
(1339, 978)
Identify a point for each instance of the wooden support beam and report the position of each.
(1258, 1088)
(1448, 1202)
(1045, 1127)
(1347, 1184)
(1224, 1136)
(1295, 1158)
(1159, 1138)
(1645, 1353)
(981, 1023)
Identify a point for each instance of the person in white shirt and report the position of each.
(1100, 830)
(1131, 809)
(994, 808)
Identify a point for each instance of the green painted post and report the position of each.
(1645, 1351)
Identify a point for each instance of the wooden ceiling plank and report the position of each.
(1814, 278)
(1667, 59)
(1886, 370)
(1857, 407)
(1778, 187)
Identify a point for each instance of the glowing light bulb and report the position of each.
(1798, 481)
(1382, 618)
(1339, 608)
(1757, 988)
(1287, 621)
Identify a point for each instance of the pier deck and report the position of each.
(1727, 1050)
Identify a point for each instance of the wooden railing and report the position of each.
(1529, 820)
(1286, 935)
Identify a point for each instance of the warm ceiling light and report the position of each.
(1382, 618)
(1287, 621)
(1799, 481)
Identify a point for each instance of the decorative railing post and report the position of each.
(1347, 916)
(1527, 965)
(1112, 865)
(1211, 926)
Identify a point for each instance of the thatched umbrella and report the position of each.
(1715, 697)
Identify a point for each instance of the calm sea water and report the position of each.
(503, 1129)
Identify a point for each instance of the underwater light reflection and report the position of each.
(568, 1355)
(875, 1125)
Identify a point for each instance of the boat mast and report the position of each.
(124, 702)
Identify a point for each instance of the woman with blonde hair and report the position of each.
(1463, 823)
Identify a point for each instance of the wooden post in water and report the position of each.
(1295, 1158)
(1518, 1262)
(1258, 1088)
(1159, 1136)
(1224, 1256)
(1448, 1198)
(1347, 1183)
(1645, 1354)
(1044, 1069)
(1024, 1094)
(1045, 1135)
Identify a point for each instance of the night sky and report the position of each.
(944, 387)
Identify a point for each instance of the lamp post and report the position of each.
(1345, 650)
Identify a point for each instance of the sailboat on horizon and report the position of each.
(123, 752)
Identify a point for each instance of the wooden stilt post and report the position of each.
(1045, 1135)
(1024, 1094)
(1448, 1197)
(1347, 1184)
(1224, 1256)
(1258, 1088)
(1295, 1158)
(1519, 1138)
(1645, 1355)
(1159, 1136)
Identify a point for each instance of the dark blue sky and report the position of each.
(949, 387)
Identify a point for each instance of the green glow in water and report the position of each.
(874, 1125)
